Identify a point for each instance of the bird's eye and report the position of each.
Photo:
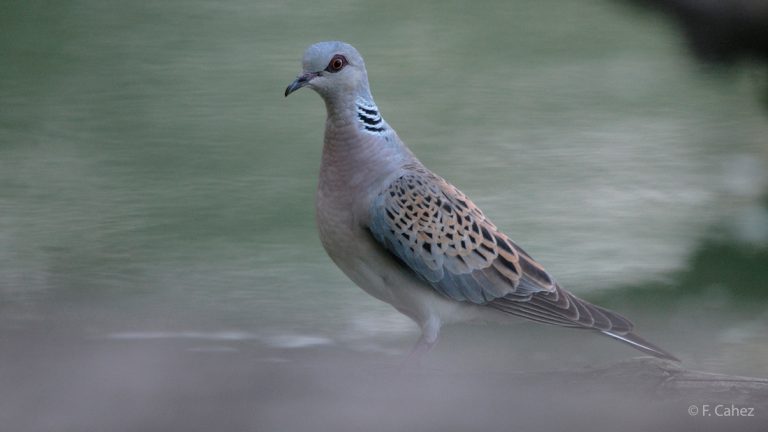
(337, 63)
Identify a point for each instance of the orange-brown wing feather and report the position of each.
(439, 233)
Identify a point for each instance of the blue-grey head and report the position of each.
(333, 69)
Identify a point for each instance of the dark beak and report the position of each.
(299, 82)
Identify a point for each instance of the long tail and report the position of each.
(562, 308)
(641, 344)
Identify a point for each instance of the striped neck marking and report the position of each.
(369, 117)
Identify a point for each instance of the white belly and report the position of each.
(381, 275)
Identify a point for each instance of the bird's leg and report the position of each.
(430, 330)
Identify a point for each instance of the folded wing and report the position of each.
(436, 231)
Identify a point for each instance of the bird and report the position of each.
(410, 238)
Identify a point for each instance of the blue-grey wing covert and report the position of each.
(441, 235)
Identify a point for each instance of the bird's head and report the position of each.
(332, 69)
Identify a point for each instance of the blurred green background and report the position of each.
(155, 184)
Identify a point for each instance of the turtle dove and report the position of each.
(408, 237)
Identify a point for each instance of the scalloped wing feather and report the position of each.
(446, 239)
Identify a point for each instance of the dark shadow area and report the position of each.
(721, 33)
(724, 268)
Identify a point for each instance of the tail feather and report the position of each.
(641, 344)
(559, 307)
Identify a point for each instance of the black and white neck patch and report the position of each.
(369, 117)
